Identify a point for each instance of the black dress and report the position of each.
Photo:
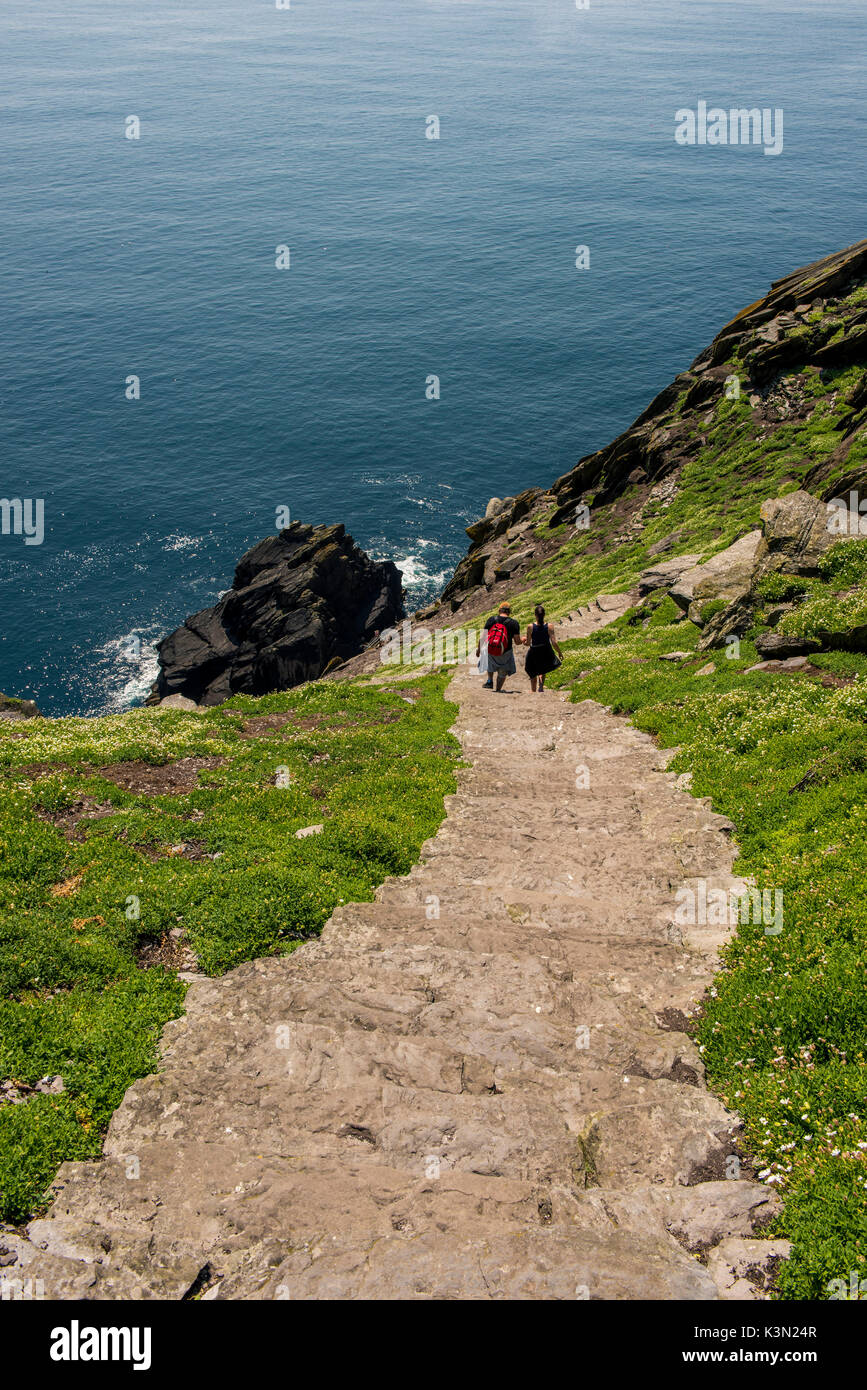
(540, 656)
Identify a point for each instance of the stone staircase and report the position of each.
(470, 1088)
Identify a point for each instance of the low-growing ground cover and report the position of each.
(833, 607)
(104, 869)
(784, 1030)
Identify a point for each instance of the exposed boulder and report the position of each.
(774, 646)
(500, 546)
(299, 601)
(795, 534)
(732, 620)
(178, 702)
(505, 568)
(663, 575)
(501, 515)
(469, 574)
(667, 543)
(790, 666)
(725, 576)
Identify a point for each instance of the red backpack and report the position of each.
(498, 638)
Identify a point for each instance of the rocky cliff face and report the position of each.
(784, 359)
(808, 319)
(300, 601)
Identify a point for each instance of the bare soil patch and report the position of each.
(263, 725)
(171, 950)
(71, 822)
(168, 779)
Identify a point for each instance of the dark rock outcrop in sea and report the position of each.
(300, 601)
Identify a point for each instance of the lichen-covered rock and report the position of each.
(795, 535)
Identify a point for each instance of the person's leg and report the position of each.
(485, 668)
(533, 684)
(501, 679)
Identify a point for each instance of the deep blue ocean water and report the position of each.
(410, 257)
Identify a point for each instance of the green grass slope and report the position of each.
(108, 874)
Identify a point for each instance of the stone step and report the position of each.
(570, 878)
(636, 853)
(495, 1035)
(653, 967)
(506, 932)
(488, 1054)
(496, 1264)
(592, 992)
(359, 1231)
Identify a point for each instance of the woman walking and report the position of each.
(543, 644)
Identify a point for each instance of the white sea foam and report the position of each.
(127, 667)
(392, 480)
(177, 541)
(417, 575)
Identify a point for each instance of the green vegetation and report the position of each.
(719, 493)
(214, 857)
(837, 604)
(784, 1030)
(783, 588)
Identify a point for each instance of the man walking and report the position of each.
(502, 630)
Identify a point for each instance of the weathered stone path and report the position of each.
(469, 1088)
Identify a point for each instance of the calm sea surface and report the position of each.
(409, 258)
